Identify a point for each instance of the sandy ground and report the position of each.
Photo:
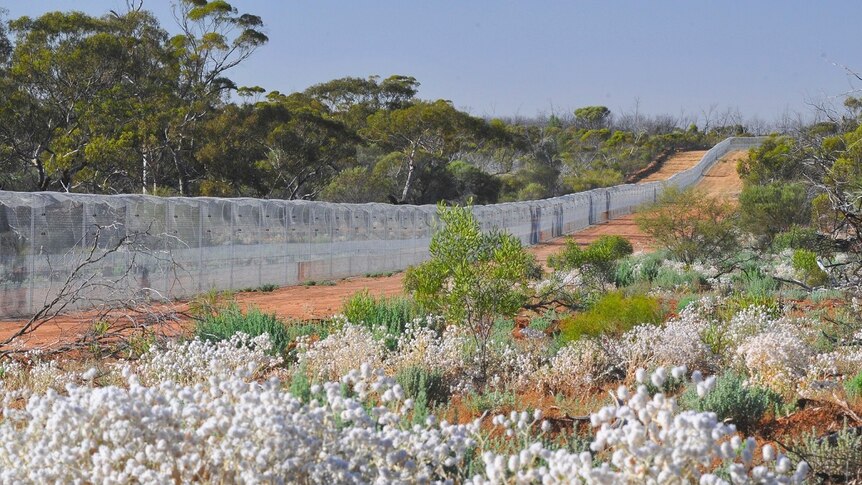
(675, 164)
(318, 302)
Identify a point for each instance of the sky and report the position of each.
(527, 58)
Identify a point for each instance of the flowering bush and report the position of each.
(578, 365)
(678, 341)
(341, 351)
(198, 360)
(227, 429)
(643, 439)
(776, 358)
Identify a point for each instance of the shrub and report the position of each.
(834, 458)
(425, 387)
(805, 262)
(796, 237)
(613, 314)
(753, 281)
(597, 263)
(472, 277)
(854, 386)
(489, 400)
(642, 268)
(732, 398)
(692, 226)
(224, 324)
(686, 301)
(385, 316)
(766, 210)
(671, 279)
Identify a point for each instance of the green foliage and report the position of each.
(593, 179)
(805, 263)
(685, 301)
(732, 399)
(472, 183)
(472, 278)
(669, 278)
(597, 263)
(253, 322)
(834, 458)
(592, 117)
(692, 226)
(300, 384)
(265, 288)
(753, 281)
(490, 400)
(772, 161)
(766, 210)
(356, 185)
(425, 387)
(533, 191)
(796, 237)
(740, 301)
(853, 386)
(611, 314)
(387, 317)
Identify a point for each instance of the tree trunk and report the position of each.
(411, 167)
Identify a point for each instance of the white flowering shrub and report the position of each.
(421, 346)
(229, 430)
(198, 360)
(341, 351)
(677, 342)
(644, 439)
(777, 358)
(579, 365)
(226, 430)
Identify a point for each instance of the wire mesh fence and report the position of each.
(172, 247)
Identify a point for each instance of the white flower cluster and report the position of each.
(578, 365)
(198, 360)
(420, 346)
(679, 341)
(226, 430)
(341, 351)
(647, 440)
(777, 358)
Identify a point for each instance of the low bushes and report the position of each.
(425, 387)
(597, 263)
(854, 386)
(386, 317)
(231, 320)
(732, 399)
(612, 314)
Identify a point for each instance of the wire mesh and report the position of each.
(185, 246)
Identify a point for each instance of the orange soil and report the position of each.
(318, 302)
(723, 180)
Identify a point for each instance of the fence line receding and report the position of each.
(177, 247)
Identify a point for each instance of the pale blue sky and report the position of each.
(522, 58)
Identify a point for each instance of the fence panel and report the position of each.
(191, 245)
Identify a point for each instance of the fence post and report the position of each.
(232, 205)
(607, 205)
(32, 256)
(201, 209)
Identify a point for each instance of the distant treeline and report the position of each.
(114, 104)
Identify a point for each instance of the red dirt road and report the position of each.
(318, 302)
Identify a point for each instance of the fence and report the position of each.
(184, 246)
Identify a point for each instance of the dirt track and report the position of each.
(675, 164)
(314, 302)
